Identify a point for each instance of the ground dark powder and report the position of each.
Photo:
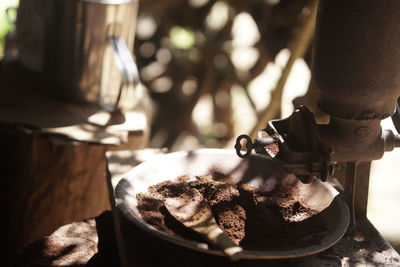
(254, 219)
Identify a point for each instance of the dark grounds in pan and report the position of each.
(269, 213)
(254, 219)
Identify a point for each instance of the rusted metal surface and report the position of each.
(349, 188)
(300, 150)
(361, 189)
(356, 59)
(357, 71)
(353, 140)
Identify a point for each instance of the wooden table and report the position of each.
(366, 248)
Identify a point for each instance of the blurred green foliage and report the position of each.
(182, 38)
(7, 19)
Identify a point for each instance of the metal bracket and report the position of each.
(299, 148)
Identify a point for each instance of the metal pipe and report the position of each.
(356, 59)
(349, 190)
(356, 68)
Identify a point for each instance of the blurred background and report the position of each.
(218, 69)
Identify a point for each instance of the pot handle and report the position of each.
(127, 66)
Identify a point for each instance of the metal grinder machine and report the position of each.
(356, 67)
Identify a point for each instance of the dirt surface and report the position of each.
(267, 219)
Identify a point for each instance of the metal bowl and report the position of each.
(257, 171)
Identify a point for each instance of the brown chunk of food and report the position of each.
(252, 218)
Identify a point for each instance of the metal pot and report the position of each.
(88, 51)
(257, 171)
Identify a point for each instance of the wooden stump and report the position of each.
(50, 185)
(53, 157)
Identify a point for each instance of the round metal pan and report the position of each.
(257, 171)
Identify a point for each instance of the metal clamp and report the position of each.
(300, 150)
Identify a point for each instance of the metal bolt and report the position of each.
(362, 132)
(390, 140)
(397, 140)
